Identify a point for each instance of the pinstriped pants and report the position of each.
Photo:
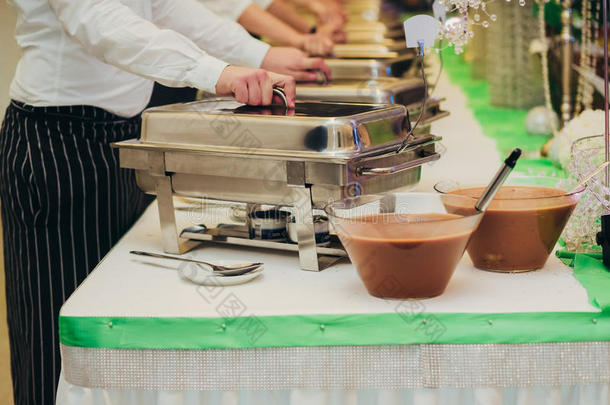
(65, 202)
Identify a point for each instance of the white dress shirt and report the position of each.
(264, 4)
(106, 53)
(233, 8)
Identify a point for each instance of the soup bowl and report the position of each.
(404, 245)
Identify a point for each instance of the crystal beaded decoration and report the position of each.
(516, 81)
(458, 30)
(579, 234)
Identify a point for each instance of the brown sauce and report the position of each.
(394, 264)
(517, 235)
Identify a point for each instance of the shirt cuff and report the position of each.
(254, 53)
(206, 74)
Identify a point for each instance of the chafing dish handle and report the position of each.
(280, 93)
(380, 171)
(321, 77)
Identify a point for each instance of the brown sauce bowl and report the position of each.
(404, 245)
(522, 224)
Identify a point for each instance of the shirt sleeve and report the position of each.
(231, 9)
(118, 36)
(264, 4)
(219, 36)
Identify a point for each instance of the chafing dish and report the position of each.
(302, 158)
(368, 37)
(372, 51)
(389, 90)
(369, 68)
(375, 26)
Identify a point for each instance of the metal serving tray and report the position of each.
(313, 130)
(371, 51)
(368, 37)
(370, 68)
(382, 90)
(303, 158)
(408, 92)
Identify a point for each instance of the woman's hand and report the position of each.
(293, 62)
(254, 86)
(316, 44)
(334, 31)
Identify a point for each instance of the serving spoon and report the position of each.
(228, 270)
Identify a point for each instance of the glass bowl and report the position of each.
(522, 223)
(403, 245)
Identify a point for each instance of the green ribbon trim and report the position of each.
(595, 278)
(408, 325)
(591, 273)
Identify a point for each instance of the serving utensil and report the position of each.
(228, 270)
(498, 180)
(589, 176)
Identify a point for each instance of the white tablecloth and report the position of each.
(127, 286)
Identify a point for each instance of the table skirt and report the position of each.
(595, 394)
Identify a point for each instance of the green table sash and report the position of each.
(591, 273)
(401, 327)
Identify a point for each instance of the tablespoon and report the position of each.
(228, 270)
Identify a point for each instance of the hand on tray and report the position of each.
(254, 86)
(293, 62)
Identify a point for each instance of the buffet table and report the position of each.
(136, 332)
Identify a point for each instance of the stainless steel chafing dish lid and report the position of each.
(394, 49)
(383, 90)
(312, 130)
(369, 37)
(369, 68)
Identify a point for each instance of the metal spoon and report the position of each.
(228, 270)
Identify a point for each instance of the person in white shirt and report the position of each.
(330, 16)
(278, 22)
(86, 73)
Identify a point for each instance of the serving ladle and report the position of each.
(228, 270)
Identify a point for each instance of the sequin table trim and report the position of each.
(346, 367)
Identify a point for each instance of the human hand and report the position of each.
(254, 86)
(316, 44)
(293, 62)
(334, 31)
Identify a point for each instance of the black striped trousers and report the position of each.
(65, 202)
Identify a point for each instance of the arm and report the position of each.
(287, 13)
(115, 34)
(219, 36)
(260, 22)
(231, 9)
(325, 10)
